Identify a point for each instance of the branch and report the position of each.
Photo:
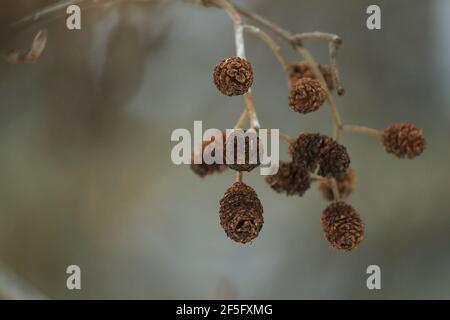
(271, 43)
(362, 129)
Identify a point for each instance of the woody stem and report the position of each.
(240, 123)
(335, 189)
(270, 43)
(240, 52)
(362, 129)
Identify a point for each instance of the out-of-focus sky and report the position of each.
(86, 175)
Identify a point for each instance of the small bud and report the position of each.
(307, 95)
(233, 76)
(343, 226)
(403, 140)
(241, 213)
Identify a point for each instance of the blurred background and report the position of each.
(86, 176)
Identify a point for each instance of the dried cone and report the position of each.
(343, 226)
(307, 95)
(241, 213)
(203, 169)
(246, 159)
(302, 70)
(403, 140)
(233, 76)
(310, 150)
(345, 183)
(290, 180)
(306, 150)
(334, 160)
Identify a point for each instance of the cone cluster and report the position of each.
(310, 150)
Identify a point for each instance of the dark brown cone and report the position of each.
(241, 213)
(289, 180)
(334, 160)
(203, 169)
(343, 226)
(345, 183)
(307, 150)
(233, 76)
(302, 70)
(403, 140)
(250, 149)
(307, 95)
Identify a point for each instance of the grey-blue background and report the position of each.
(86, 176)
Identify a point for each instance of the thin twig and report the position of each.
(335, 189)
(240, 52)
(313, 177)
(362, 129)
(332, 47)
(271, 43)
(336, 117)
(296, 43)
(282, 136)
(240, 123)
(251, 110)
(316, 35)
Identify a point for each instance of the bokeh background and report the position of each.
(86, 176)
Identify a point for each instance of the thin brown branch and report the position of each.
(270, 43)
(241, 121)
(335, 189)
(362, 129)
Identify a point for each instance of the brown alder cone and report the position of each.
(241, 213)
(342, 226)
(233, 76)
(345, 183)
(310, 150)
(334, 160)
(302, 70)
(251, 148)
(306, 150)
(403, 140)
(306, 95)
(289, 180)
(203, 169)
